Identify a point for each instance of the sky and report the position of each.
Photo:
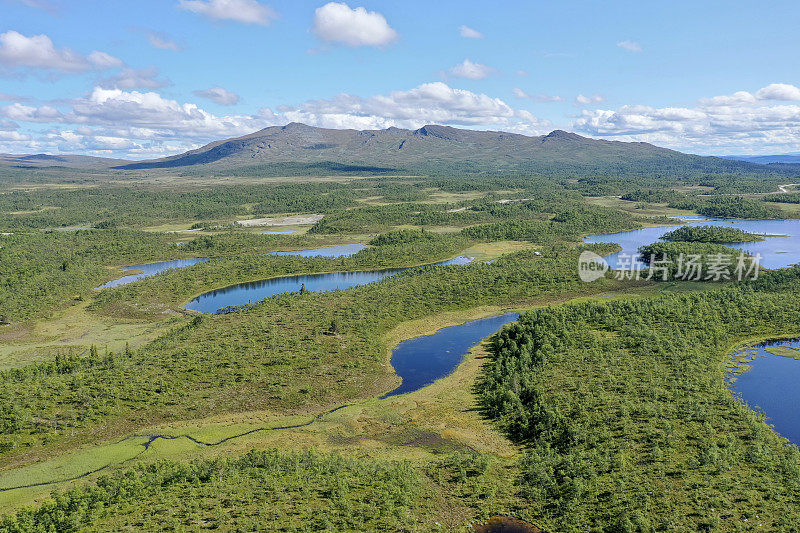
(147, 78)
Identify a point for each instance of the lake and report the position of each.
(776, 252)
(422, 360)
(242, 293)
(151, 269)
(342, 250)
(772, 385)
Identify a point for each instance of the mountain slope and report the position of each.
(435, 147)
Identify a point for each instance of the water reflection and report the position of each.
(244, 293)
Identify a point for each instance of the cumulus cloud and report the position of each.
(472, 71)
(541, 97)
(117, 122)
(720, 124)
(470, 33)
(778, 91)
(338, 23)
(631, 46)
(24, 113)
(219, 95)
(129, 78)
(594, 99)
(38, 51)
(245, 11)
(436, 103)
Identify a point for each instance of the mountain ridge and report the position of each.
(430, 149)
(435, 146)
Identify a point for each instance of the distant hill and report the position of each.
(439, 148)
(790, 159)
(37, 161)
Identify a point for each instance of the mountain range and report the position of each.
(431, 149)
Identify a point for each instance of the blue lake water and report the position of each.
(781, 250)
(280, 232)
(151, 269)
(422, 360)
(243, 293)
(772, 385)
(342, 250)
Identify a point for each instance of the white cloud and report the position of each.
(472, 71)
(779, 91)
(8, 125)
(594, 99)
(338, 23)
(541, 97)
(152, 125)
(219, 96)
(245, 11)
(161, 41)
(128, 78)
(38, 51)
(24, 113)
(631, 46)
(734, 123)
(429, 103)
(469, 33)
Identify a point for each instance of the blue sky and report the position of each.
(153, 77)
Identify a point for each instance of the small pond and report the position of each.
(341, 250)
(422, 360)
(771, 384)
(151, 269)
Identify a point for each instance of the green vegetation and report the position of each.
(697, 261)
(713, 234)
(283, 352)
(788, 198)
(614, 405)
(738, 207)
(304, 491)
(626, 419)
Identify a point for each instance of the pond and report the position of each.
(422, 360)
(770, 384)
(151, 269)
(278, 232)
(779, 250)
(243, 293)
(341, 250)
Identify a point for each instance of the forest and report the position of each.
(603, 408)
(626, 422)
